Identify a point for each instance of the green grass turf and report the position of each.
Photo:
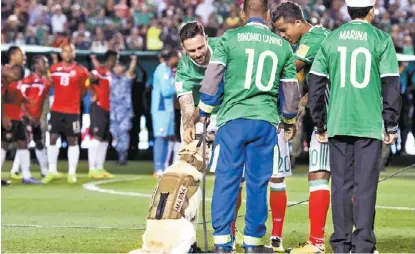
(70, 218)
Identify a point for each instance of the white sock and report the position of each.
(43, 160)
(3, 156)
(102, 154)
(16, 164)
(24, 157)
(93, 154)
(53, 154)
(73, 158)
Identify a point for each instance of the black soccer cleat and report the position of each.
(5, 183)
(259, 249)
(220, 249)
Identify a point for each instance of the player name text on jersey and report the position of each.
(353, 35)
(259, 38)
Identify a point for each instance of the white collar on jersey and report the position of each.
(256, 24)
(358, 21)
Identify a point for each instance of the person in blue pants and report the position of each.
(162, 110)
(257, 66)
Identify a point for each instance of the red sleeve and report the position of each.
(53, 67)
(83, 77)
(28, 80)
(47, 84)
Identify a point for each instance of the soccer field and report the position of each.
(109, 216)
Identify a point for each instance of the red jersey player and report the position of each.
(99, 112)
(68, 80)
(35, 89)
(12, 129)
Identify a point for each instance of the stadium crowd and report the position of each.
(152, 25)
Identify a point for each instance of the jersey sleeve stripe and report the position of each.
(184, 93)
(389, 75)
(204, 107)
(304, 59)
(319, 74)
(217, 62)
(289, 80)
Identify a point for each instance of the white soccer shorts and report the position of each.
(318, 155)
(284, 162)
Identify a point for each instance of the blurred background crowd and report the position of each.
(138, 25)
(99, 25)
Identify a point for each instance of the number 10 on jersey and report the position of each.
(259, 69)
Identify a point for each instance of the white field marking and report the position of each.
(65, 226)
(93, 186)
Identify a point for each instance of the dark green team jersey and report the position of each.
(256, 61)
(309, 45)
(355, 57)
(189, 74)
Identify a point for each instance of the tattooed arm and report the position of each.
(188, 117)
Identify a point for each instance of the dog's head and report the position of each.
(193, 153)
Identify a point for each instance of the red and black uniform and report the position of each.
(35, 90)
(99, 110)
(12, 109)
(69, 84)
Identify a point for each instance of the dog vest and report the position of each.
(171, 196)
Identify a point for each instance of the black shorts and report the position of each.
(33, 130)
(100, 120)
(63, 123)
(16, 133)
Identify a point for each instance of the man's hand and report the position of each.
(390, 138)
(94, 98)
(134, 58)
(189, 133)
(289, 131)
(322, 137)
(6, 122)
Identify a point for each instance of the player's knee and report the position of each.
(53, 138)
(21, 144)
(319, 175)
(4, 145)
(39, 145)
(72, 141)
(277, 179)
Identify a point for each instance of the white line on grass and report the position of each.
(93, 186)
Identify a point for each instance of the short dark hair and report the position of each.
(19, 69)
(190, 30)
(358, 12)
(109, 54)
(12, 50)
(256, 6)
(171, 53)
(289, 11)
(37, 60)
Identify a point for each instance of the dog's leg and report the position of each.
(187, 238)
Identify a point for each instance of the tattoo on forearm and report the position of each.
(187, 108)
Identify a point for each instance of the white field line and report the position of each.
(93, 186)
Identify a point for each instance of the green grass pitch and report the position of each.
(109, 217)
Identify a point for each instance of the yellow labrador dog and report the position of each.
(171, 224)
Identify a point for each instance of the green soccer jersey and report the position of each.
(355, 57)
(189, 74)
(309, 45)
(256, 61)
